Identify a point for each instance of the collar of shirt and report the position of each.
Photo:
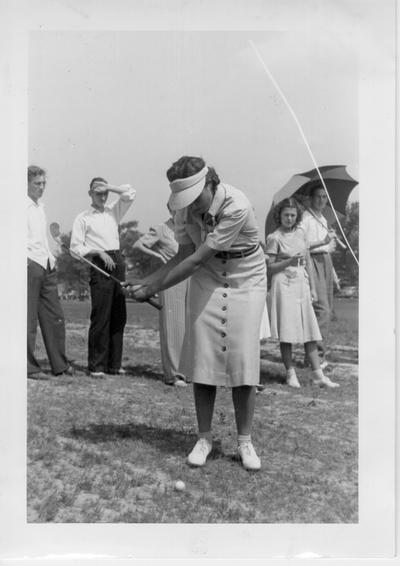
(209, 217)
(31, 202)
(94, 210)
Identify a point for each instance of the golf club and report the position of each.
(56, 235)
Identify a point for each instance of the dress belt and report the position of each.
(237, 254)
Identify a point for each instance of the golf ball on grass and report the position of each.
(180, 485)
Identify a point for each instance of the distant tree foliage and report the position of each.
(343, 261)
(74, 274)
(138, 264)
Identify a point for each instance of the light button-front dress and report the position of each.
(225, 296)
(292, 316)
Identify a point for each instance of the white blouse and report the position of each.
(229, 224)
(314, 231)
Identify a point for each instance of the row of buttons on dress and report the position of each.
(224, 307)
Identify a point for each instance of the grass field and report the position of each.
(112, 450)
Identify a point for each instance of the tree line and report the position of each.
(74, 274)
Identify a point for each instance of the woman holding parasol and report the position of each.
(293, 291)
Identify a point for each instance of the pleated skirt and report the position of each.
(172, 328)
(225, 304)
(292, 316)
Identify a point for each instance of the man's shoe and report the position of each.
(180, 383)
(119, 371)
(97, 374)
(198, 455)
(248, 455)
(69, 371)
(39, 376)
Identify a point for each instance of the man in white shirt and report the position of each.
(95, 236)
(319, 238)
(43, 301)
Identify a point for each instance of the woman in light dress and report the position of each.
(219, 249)
(160, 242)
(292, 316)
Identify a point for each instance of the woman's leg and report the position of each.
(317, 374)
(286, 353)
(312, 354)
(244, 399)
(204, 399)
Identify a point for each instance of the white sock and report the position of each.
(207, 436)
(243, 439)
(290, 372)
(318, 373)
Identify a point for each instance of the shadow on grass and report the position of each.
(270, 376)
(145, 370)
(167, 440)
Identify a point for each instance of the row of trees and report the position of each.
(74, 275)
(344, 263)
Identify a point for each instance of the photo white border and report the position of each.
(366, 22)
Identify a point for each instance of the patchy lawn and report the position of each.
(111, 450)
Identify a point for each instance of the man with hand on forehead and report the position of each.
(95, 236)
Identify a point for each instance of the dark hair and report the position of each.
(187, 166)
(288, 203)
(34, 171)
(315, 188)
(96, 180)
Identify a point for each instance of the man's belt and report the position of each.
(237, 254)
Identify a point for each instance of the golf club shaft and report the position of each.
(151, 301)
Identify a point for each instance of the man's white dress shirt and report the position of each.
(38, 244)
(98, 231)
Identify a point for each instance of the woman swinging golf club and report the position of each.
(219, 249)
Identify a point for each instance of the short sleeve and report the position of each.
(181, 235)
(227, 230)
(272, 245)
(304, 236)
(305, 222)
(151, 237)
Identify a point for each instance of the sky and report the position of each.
(124, 105)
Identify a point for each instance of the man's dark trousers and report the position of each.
(44, 305)
(108, 316)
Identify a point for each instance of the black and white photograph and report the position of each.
(208, 302)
